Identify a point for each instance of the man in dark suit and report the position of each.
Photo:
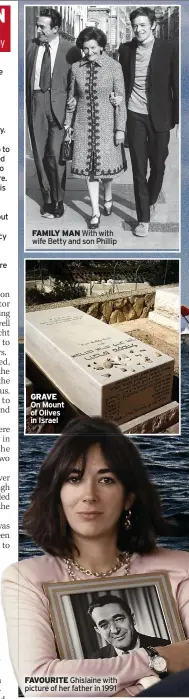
(114, 621)
(48, 62)
(151, 73)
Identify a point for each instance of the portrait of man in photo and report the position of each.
(114, 621)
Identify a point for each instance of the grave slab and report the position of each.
(157, 421)
(95, 366)
(167, 307)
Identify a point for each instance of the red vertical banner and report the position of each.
(5, 28)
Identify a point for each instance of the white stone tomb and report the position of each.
(167, 307)
(96, 367)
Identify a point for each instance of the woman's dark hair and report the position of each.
(54, 16)
(91, 33)
(44, 519)
(144, 11)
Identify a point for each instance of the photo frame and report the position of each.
(105, 618)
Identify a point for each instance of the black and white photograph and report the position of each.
(91, 621)
(102, 338)
(102, 110)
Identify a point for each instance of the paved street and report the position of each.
(116, 231)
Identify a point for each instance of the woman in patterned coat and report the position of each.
(99, 126)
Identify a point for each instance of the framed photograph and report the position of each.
(106, 618)
(45, 187)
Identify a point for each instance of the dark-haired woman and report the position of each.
(95, 513)
(99, 127)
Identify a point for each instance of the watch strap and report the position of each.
(151, 652)
(154, 654)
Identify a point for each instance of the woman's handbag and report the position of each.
(67, 146)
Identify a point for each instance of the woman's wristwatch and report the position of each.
(157, 662)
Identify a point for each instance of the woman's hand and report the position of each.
(115, 99)
(176, 655)
(119, 137)
(71, 104)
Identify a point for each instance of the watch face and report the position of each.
(159, 664)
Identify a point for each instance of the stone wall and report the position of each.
(111, 308)
(117, 310)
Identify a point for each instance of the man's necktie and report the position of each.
(45, 75)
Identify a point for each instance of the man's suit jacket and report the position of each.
(163, 83)
(145, 641)
(66, 55)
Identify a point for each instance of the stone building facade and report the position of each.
(112, 19)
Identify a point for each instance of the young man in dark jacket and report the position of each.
(151, 73)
